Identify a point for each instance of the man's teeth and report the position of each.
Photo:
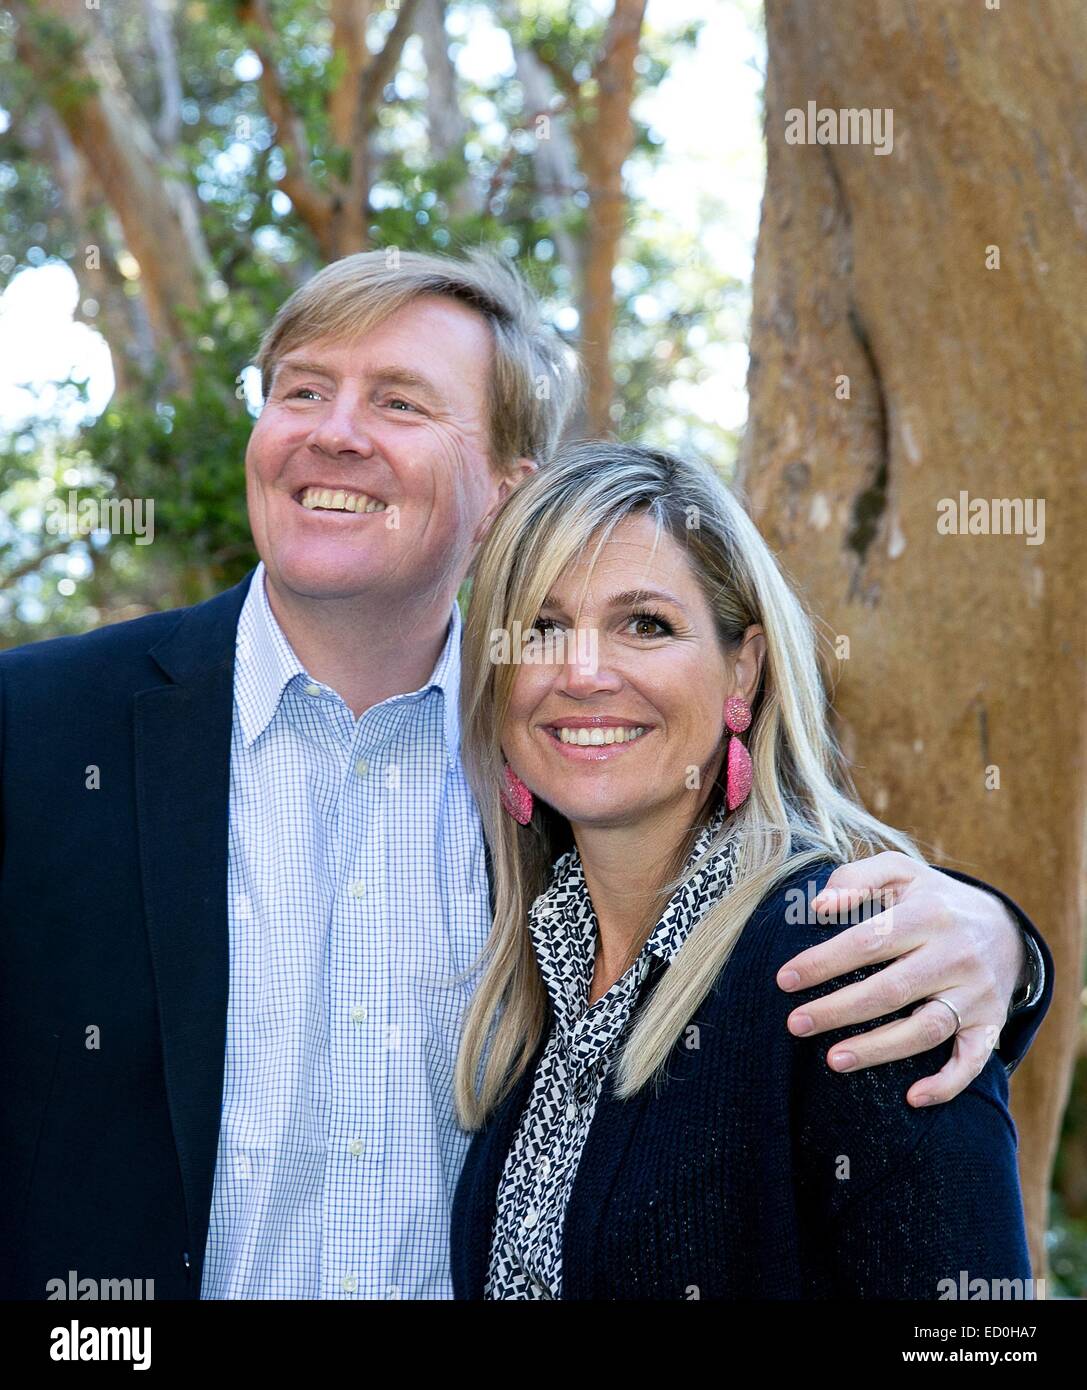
(585, 737)
(339, 501)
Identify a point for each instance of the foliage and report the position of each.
(185, 450)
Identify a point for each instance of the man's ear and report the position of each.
(520, 470)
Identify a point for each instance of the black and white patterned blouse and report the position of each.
(526, 1245)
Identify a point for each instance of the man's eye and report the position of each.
(398, 403)
(305, 390)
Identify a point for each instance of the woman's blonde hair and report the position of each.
(802, 806)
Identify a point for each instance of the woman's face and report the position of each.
(645, 656)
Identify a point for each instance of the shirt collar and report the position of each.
(565, 909)
(266, 664)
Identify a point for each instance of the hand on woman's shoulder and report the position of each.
(871, 1102)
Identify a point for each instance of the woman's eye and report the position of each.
(664, 629)
(541, 624)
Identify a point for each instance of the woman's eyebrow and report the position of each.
(630, 596)
(626, 598)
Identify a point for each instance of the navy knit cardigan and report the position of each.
(755, 1172)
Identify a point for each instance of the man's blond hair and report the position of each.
(535, 378)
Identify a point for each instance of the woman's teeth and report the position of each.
(339, 501)
(586, 737)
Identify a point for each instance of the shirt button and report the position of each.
(358, 1013)
(349, 1283)
(357, 889)
(313, 688)
(361, 767)
(571, 1110)
(530, 1218)
(643, 971)
(356, 1147)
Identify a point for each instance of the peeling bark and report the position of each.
(967, 651)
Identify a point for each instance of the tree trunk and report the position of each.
(447, 130)
(891, 368)
(81, 80)
(604, 143)
(603, 135)
(122, 318)
(554, 160)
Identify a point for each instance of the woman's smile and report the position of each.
(594, 739)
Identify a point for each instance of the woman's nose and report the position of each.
(587, 667)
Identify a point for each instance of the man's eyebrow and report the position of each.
(404, 376)
(626, 598)
(384, 376)
(294, 365)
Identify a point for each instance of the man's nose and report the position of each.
(343, 428)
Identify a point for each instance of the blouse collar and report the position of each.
(563, 926)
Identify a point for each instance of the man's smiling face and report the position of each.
(397, 417)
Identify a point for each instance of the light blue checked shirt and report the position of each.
(357, 895)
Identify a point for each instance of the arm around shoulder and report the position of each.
(897, 1202)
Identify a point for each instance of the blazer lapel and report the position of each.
(182, 748)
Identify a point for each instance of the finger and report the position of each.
(885, 870)
(886, 936)
(832, 904)
(882, 993)
(925, 1029)
(973, 1048)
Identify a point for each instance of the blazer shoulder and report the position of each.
(115, 655)
(53, 654)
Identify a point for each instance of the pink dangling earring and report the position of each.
(737, 719)
(516, 797)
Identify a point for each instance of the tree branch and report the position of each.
(382, 65)
(313, 205)
(160, 34)
(371, 75)
(36, 561)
